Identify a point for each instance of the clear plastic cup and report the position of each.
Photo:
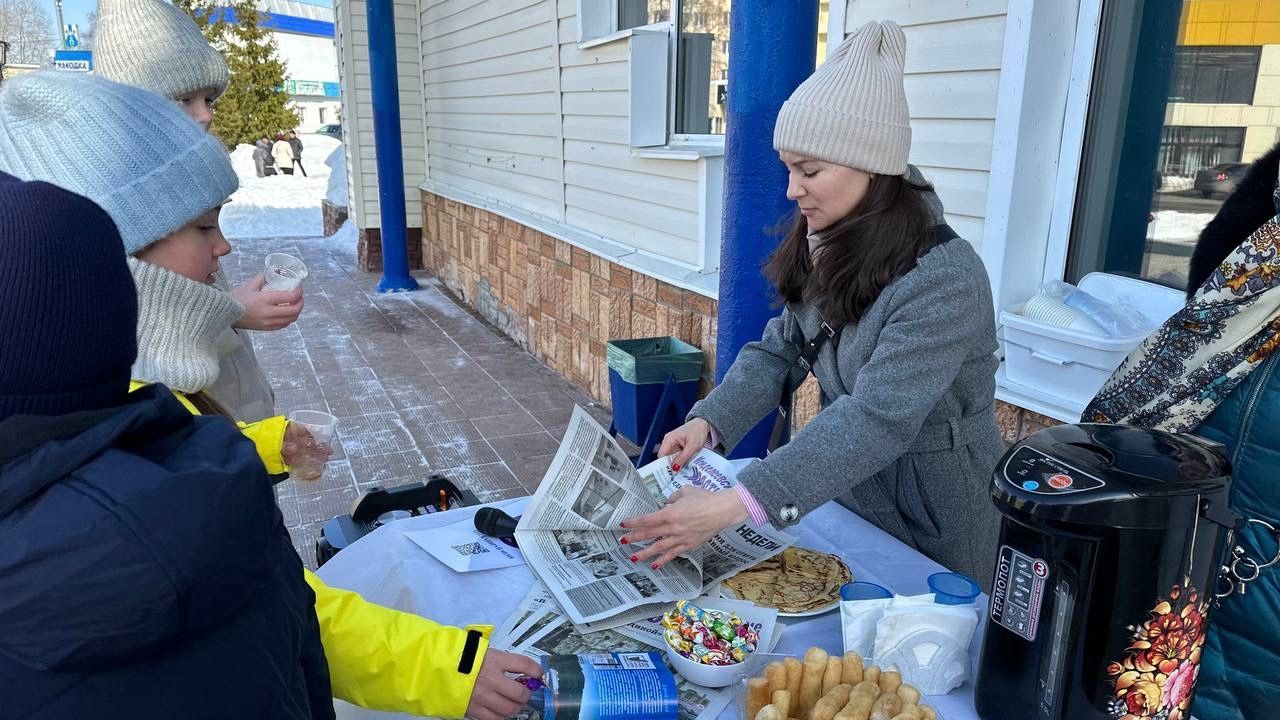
(321, 425)
(284, 272)
(953, 588)
(864, 591)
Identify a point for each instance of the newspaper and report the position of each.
(570, 532)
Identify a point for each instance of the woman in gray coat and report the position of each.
(895, 313)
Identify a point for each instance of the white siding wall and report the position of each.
(649, 204)
(953, 78)
(357, 109)
(492, 100)
(518, 115)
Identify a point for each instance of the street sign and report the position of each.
(73, 60)
(304, 87)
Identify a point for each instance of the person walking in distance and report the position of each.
(283, 153)
(295, 143)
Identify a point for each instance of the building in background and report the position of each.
(304, 35)
(1223, 112)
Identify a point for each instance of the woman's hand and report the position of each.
(692, 515)
(495, 695)
(685, 441)
(266, 309)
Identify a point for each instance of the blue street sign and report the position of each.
(73, 60)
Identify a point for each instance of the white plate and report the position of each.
(727, 592)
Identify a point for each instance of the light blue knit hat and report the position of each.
(130, 151)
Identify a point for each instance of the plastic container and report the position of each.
(1070, 365)
(638, 370)
(864, 591)
(953, 588)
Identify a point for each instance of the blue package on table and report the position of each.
(609, 686)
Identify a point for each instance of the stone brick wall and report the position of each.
(1016, 423)
(559, 302)
(369, 249)
(333, 216)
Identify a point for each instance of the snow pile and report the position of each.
(1176, 183)
(337, 163)
(279, 206)
(345, 237)
(1172, 226)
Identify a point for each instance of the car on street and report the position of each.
(333, 130)
(1220, 179)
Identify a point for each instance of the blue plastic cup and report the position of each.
(863, 591)
(953, 588)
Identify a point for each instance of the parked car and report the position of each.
(1221, 178)
(334, 131)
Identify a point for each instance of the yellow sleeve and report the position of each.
(384, 659)
(268, 436)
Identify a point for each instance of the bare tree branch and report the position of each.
(28, 29)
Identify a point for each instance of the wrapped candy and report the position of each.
(710, 637)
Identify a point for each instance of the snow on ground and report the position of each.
(343, 240)
(280, 205)
(337, 189)
(1172, 226)
(1176, 183)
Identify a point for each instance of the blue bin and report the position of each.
(638, 371)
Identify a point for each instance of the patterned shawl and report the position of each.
(1187, 367)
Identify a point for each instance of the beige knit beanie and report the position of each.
(155, 46)
(853, 110)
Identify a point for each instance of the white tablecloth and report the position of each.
(388, 568)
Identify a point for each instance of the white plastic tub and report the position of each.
(1069, 365)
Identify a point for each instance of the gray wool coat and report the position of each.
(906, 436)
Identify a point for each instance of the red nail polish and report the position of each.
(622, 525)
(675, 467)
(654, 566)
(634, 558)
(623, 541)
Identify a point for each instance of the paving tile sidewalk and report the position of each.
(419, 384)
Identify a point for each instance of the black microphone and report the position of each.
(495, 523)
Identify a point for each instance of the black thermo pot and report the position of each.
(1110, 551)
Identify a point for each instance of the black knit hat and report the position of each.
(68, 308)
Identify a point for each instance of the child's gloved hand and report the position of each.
(267, 309)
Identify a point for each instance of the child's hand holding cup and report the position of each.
(308, 443)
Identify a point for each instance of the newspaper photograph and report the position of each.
(570, 531)
(536, 600)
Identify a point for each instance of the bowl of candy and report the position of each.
(708, 647)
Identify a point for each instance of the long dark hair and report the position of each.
(874, 245)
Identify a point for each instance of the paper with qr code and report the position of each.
(465, 549)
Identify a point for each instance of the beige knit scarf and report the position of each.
(179, 321)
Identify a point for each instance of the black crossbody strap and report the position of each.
(791, 381)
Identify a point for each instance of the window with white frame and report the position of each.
(1180, 104)
(698, 31)
(702, 66)
(600, 18)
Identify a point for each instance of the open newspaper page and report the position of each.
(571, 529)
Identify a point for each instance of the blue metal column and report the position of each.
(386, 140)
(772, 48)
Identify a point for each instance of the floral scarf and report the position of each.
(1185, 369)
